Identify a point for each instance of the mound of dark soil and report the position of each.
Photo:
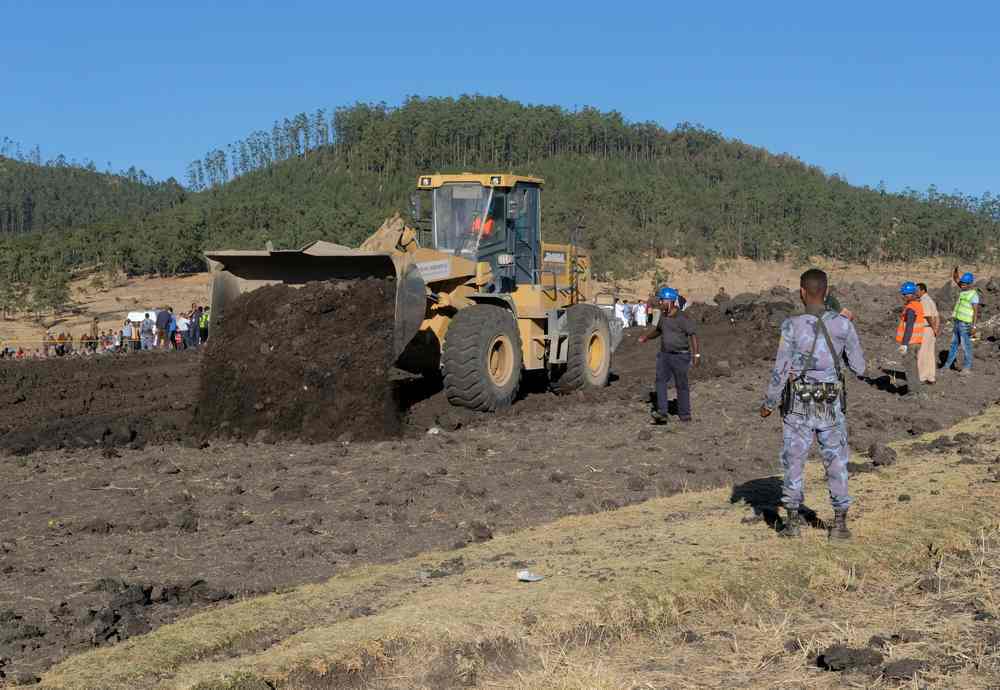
(306, 363)
(101, 401)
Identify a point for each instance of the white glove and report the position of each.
(903, 349)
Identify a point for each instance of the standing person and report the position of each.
(910, 335)
(147, 333)
(620, 312)
(206, 317)
(679, 350)
(927, 357)
(808, 381)
(640, 314)
(194, 317)
(126, 335)
(195, 325)
(183, 328)
(162, 321)
(966, 316)
(171, 328)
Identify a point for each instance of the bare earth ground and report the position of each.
(690, 591)
(103, 543)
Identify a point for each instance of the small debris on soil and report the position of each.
(480, 531)
(843, 658)
(690, 637)
(794, 645)
(881, 455)
(348, 548)
(904, 669)
(186, 521)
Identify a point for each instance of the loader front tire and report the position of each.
(481, 361)
(588, 354)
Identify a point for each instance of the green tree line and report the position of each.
(61, 194)
(638, 190)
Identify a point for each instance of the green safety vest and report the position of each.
(964, 310)
(203, 320)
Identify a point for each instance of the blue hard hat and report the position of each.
(908, 288)
(967, 278)
(667, 293)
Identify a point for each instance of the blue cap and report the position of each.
(967, 278)
(908, 288)
(667, 293)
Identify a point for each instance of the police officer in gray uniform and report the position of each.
(809, 383)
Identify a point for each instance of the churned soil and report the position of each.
(239, 514)
(97, 401)
(306, 363)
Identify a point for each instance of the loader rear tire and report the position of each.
(481, 361)
(588, 355)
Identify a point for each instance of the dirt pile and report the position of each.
(306, 363)
(740, 333)
(101, 401)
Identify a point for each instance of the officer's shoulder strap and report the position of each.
(821, 328)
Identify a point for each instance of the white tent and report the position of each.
(139, 316)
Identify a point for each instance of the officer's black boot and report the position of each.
(839, 529)
(791, 523)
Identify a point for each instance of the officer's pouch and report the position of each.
(786, 398)
(831, 392)
(806, 392)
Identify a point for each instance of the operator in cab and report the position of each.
(478, 224)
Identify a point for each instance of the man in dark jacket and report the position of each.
(679, 351)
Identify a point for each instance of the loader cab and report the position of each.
(485, 218)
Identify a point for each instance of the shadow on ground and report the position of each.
(763, 495)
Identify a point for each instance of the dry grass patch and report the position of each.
(630, 599)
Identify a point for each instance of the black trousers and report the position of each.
(673, 368)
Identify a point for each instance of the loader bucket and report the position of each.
(236, 272)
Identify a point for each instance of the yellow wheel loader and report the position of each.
(480, 299)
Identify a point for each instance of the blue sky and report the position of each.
(901, 92)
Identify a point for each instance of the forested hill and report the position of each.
(60, 195)
(637, 189)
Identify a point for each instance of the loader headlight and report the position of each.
(505, 259)
(425, 182)
(495, 180)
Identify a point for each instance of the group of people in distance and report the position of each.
(920, 325)
(632, 314)
(158, 329)
(640, 314)
(163, 330)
